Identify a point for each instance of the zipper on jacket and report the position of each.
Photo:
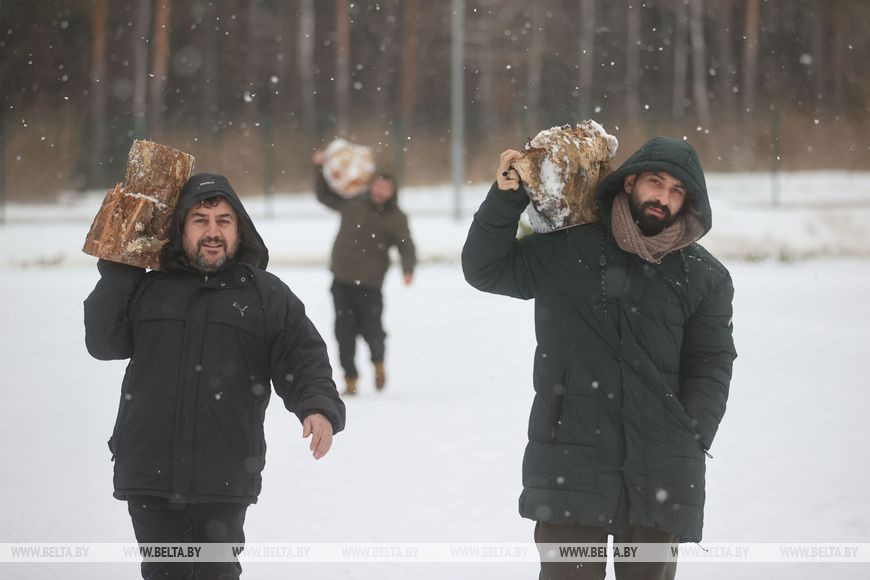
(602, 264)
(685, 266)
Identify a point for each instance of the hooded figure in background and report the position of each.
(634, 356)
(371, 223)
(207, 340)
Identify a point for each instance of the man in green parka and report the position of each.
(634, 355)
(371, 223)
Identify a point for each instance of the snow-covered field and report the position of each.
(437, 456)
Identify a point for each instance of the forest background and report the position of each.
(251, 87)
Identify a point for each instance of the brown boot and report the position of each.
(350, 385)
(380, 376)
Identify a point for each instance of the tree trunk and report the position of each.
(587, 57)
(750, 55)
(282, 91)
(305, 64)
(342, 67)
(253, 60)
(99, 34)
(269, 39)
(681, 59)
(487, 81)
(819, 52)
(632, 61)
(132, 225)
(838, 68)
(386, 71)
(699, 63)
(209, 87)
(725, 74)
(534, 71)
(2, 167)
(160, 65)
(410, 40)
(141, 25)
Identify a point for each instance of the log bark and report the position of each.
(347, 167)
(560, 169)
(132, 225)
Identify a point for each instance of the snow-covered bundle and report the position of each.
(348, 167)
(132, 225)
(561, 169)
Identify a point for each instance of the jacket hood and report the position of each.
(392, 203)
(252, 250)
(673, 156)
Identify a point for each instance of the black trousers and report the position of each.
(358, 312)
(158, 521)
(556, 534)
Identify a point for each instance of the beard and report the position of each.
(202, 261)
(650, 225)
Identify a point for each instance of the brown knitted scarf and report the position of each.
(686, 229)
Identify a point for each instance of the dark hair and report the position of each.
(689, 201)
(210, 202)
(214, 201)
(385, 175)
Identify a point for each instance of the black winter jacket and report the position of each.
(203, 350)
(633, 363)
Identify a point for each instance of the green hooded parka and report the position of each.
(633, 362)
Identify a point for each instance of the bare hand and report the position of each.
(408, 278)
(318, 157)
(507, 177)
(321, 429)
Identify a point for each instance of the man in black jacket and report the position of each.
(205, 339)
(634, 356)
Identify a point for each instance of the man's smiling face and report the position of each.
(211, 234)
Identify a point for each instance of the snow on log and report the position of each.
(561, 169)
(348, 168)
(132, 225)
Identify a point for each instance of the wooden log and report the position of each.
(347, 167)
(132, 225)
(561, 169)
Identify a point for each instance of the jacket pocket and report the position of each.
(686, 421)
(115, 438)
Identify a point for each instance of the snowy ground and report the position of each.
(437, 456)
